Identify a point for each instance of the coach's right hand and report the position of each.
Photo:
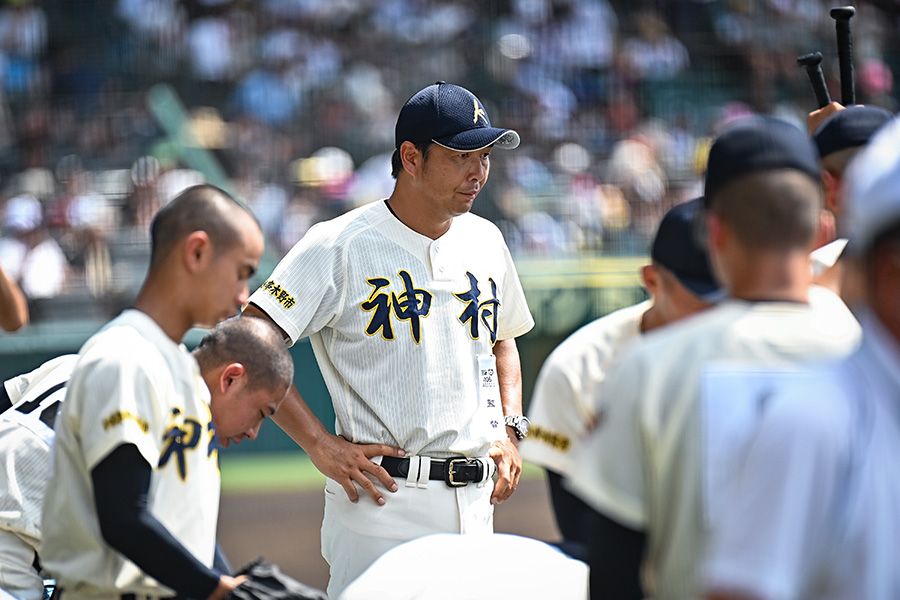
(334, 456)
(346, 463)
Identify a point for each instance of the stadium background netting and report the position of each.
(108, 108)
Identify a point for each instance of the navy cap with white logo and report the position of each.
(450, 116)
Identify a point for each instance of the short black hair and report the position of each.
(397, 163)
(255, 343)
(201, 207)
(774, 210)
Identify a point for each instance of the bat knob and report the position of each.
(808, 61)
(843, 13)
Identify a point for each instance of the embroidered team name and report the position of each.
(120, 416)
(553, 439)
(411, 305)
(414, 304)
(477, 312)
(181, 437)
(280, 294)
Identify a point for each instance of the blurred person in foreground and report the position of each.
(641, 467)
(132, 502)
(680, 283)
(815, 508)
(246, 368)
(412, 305)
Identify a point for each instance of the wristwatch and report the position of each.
(519, 423)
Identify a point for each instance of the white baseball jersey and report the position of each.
(131, 385)
(26, 435)
(397, 322)
(563, 406)
(642, 465)
(814, 509)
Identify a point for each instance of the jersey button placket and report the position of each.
(437, 263)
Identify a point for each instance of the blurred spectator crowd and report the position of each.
(108, 108)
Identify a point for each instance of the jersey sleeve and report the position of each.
(783, 495)
(118, 405)
(305, 290)
(49, 373)
(556, 418)
(609, 471)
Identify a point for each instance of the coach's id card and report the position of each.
(489, 394)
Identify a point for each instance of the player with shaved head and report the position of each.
(132, 503)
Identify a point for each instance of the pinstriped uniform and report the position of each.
(397, 322)
(26, 436)
(409, 382)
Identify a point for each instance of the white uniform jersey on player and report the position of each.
(642, 465)
(131, 385)
(26, 436)
(814, 503)
(563, 406)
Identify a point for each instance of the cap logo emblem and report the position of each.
(479, 112)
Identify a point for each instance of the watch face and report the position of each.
(523, 426)
(519, 423)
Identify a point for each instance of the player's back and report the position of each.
(768, 333)
(643, 468)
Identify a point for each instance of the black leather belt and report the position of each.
(455, 472)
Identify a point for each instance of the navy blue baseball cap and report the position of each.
(756, 143)
(850, 128)
(451, 116)
(676, 248)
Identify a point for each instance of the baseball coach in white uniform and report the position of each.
(412, 305)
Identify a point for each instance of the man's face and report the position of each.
(238, 412)
(451, 179)
(223, 284)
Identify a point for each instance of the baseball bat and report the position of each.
(812, 62)
(842, 16)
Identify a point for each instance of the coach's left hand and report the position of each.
(509, 466)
